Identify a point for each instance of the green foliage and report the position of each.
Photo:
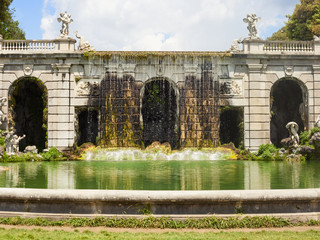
(280, 35)
(314, 130)
(9, 29)
(303, 24)
(52, 154)
(267, 148)
(24, 157)
(1, 138)
(161, 222)
(304, 138)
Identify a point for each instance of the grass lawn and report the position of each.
(22, 234)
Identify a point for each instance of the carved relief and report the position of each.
(230, 88)
(27, 69)
(88, 89)
(288, 70)
(160, 70)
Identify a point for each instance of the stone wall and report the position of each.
(120, 112)
(199, 117)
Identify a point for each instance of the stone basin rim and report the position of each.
(160, 195)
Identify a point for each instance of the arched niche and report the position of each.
(28, 111)
(288, 102)
(160, 112)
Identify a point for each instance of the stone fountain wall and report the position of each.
(113, 83)
(197, 96)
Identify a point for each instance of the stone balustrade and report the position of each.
(28, 45)
(39, 46)
(289, 46)
(259, 46)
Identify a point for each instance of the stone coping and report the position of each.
(159, 196)
(131, 202)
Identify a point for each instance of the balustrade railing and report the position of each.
(27, 45)
(288, 46)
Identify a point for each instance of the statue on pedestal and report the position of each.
(65, 18)
(252, 20)
(12, 143)
(3, 100)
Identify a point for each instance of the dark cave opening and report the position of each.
(29, 112)
(231, 126)
(159, 113)
(287, 104)
(88, 126)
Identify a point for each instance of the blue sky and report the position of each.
(152, 24)
(29, 15)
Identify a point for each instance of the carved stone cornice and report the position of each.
(316, 69)
(61, 68)
(255, 68)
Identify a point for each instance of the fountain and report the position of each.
(157, 138)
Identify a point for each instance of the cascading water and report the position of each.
(136, 154)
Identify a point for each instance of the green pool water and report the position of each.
(161, 175)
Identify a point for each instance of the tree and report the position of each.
(9, 29)
(303, 24)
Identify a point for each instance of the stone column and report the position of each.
(315, 107)
(257, 116)
(61, 108)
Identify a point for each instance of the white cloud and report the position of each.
(163, 25)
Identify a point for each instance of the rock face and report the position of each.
(315, 140)
(1, 151)
(31, 149)
(157, 146)
(305, 150)
(286, 142)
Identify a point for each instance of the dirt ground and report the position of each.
(153, 230)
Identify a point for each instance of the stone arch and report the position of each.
(28, 111)
(288, 102)
(159, 112)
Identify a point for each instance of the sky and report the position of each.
(153, 25)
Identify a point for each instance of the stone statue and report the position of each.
(252, 20)
(83, 44)
(15, 142)
(65, 18)
(317, 123)
(12, 143)
(235, 45)
(293, 130)
(8, 142)
(3, 100)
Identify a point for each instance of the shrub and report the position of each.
(52, 154)
(267, 147)
(304, 138)
(314, 130)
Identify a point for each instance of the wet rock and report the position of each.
(85, 147)
(153, 145)
(31, 149)
(305, 150)
(286, 142)
(157, 146)
(294, 157)
(2, 149)
(282, 151)
(315, 140)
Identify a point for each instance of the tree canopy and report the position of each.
(9, 29)
(303, 24)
